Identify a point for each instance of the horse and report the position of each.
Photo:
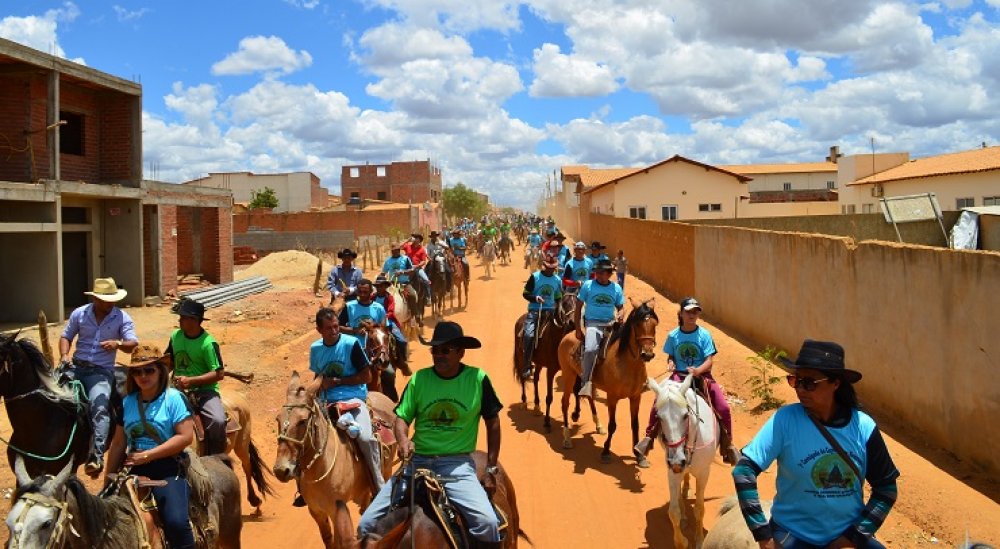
(58, 512)
(489, 256)
(730, 530)
(459, 279)
(50, 423)
(399, 529)
(239, 442)
(545, 357)
(310, 451)
(532, 257)
(437, 271)
(506, 246)
(621, 375)
(407, 321)
(690, 434)
(380, 347)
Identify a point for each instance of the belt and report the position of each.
(87, 364)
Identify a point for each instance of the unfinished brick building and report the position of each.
(404, 182)
(73, 204)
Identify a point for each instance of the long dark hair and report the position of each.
(161, 384)
(845, 396)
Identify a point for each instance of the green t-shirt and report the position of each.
(447, 411)
(195, 356)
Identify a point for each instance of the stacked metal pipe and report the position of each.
(213, 296)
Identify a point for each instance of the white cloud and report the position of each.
(304, 4)
(40, 32)
(456, 15)
(125, 15)
(560, 75)
(392, 44)
(268, 54)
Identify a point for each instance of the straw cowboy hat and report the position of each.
(824, 356)
(450, 333)
(144, 355)
(105, 289)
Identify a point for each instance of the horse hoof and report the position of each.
(601, 430)
(537, 411)
(254, 501)
(548, 428)
(567, 444)
(575, 417)
(605, 458)
(643, 463)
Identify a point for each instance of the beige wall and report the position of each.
(799, 181)
(854, 167)
(948, 189)
(784, 209)
(989, 232)
(293, 190)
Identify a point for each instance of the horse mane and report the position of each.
(93, 510)
(637, 315)
(9, 347)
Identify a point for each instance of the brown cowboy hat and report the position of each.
(144, 355)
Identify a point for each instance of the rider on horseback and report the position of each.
(458, 246)
(445, 403)
(577, 269)
(438, 247)
(343, 279)
(534, 239)
(399, 267)
(542, 291)
(385, 299)
(596, 255)
(555, 250)
(366, 309)
(690, 350)
(602, 300)
(419, 257)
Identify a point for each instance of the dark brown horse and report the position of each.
(400, 529)
(459, 280)
(50, 423)
(545, 357)
(437, 272)
(380, 347)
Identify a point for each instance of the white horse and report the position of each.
(489, 256)
(407, 321)
(690, 433)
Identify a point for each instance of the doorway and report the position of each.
(76, 268)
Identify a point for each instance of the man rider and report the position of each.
(542, 291)
(343, 279)
(366, 309)
(534, 239)
(601, 301)
(554, 249)
(444, 403)
(577, 269)
(597, 255)
(418, 256)
(458, 247)
(435, 247)
(398, 267)
(388, 302)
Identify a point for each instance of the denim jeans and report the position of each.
(462, 487)
(171, 500)
(785, 540)
(98, 383)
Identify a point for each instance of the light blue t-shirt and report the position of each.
(162, 414)
(339, 360)
(818, 495)
(600, 301)
(357, 313)
(548, 287)
(457, 246)
(580, 269)
(689, 350)
(393, 265)
(535, 240)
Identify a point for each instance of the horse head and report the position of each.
(639, 330)
(673, 406)
(377, 346)
(297, 428)
(38, 517)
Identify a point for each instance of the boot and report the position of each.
(730, 455)
(587, 390)
(644, 446)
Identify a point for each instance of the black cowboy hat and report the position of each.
(450, 333)
(597, 245)
(825, 356)
(381, 279)
(417, 236)
(189, 307)
(347, 252)
(604, 265)
(432, 234)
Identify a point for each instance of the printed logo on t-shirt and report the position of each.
(443, 414)
(546, 291)
(582, 272)
(831, 475)
(688, 353)
(334, 369)
(181, 360)
(603, 299)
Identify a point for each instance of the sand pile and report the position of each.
(290, 264)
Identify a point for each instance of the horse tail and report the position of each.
(258, 471)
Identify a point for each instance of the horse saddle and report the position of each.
(431, 494)
(381, 427)
(602, 348)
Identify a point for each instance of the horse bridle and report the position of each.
(378, 353)
(313, 410)
(63, 519)
(687, 438)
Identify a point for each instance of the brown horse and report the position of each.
(240, 443)
(621, 375)
(545, 357)
(380, 347)
(51, 424)
(459, 280)
(323, 460)
(400, 529)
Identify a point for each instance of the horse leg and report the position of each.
(674, 508)
(242, 450)
(568, 380)
(597, 419)
(612, 427)
(699, 508)
(550, 375)
(633, 410)
(537, 374)
(325, 531)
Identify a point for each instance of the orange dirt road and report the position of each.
(566, 498)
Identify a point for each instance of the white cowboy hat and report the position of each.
(105, 289)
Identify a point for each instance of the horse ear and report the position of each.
(20, 472)
(687, 383)
(632, 302)
(653, 386)
(64, 474)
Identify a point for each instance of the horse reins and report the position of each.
(63, 520)
(301, 443)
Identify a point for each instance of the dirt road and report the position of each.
(567, 498)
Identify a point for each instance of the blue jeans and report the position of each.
(463, 490)
(98, 383)
(785, 540)
(171, 501)
(593, 335)
(530, 325)
(621, 279)
(401, 343)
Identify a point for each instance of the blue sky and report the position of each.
(500, 93)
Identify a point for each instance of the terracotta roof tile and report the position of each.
(801, 167)
(976, 160)
(592, 177)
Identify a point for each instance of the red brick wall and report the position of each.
(319, 196)
(362, 222)
(403, 181)
(148, 259)
(185, 240)
(86, 167)
(168, 249)
(217, 244)
(15, 117)
(116, 139)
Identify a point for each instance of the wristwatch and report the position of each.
(493, 470)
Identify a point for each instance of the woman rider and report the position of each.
(156, 428)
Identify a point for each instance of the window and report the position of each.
(991, 201)
(867, 208)
(786, 186)
(71, 133)
(831, 185)
(379, 171)
(381, 195)
(964, 203)
(355, 195)
(709, 207)
(848, 209)
(637, 212)
(668, 213)
(355, 172)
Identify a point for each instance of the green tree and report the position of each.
(763, 378)
(265, 198)
(461, 201)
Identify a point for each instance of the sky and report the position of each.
(501, 94)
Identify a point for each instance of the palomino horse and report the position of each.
(621, 375)
(50, 423)
(690, 433)
(400, 529)
(459, 280)
(323, 460)
(380, 347)
(58, 512)
(730, 530)
(506, 246)
(437, 272)
(545, 357)
(532, 257)
(489, 256)
(240, 443)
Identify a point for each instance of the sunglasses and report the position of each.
(147, 371)
(805, 383)
(441, 350)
